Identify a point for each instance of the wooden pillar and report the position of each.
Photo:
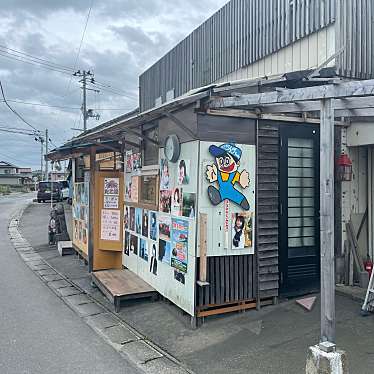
(91, 219)
(327, 221)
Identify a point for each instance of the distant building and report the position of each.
(12, 175)
(57, 175)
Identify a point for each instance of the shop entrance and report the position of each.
(299, 209)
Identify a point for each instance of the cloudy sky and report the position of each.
(122, 39)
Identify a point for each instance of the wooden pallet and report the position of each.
(214, 309)
(122, 285)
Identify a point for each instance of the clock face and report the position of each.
(172, 148)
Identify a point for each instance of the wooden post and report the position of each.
(327, 221)
(203, 218)
(91, 208)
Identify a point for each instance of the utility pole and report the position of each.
(84, 101)
(86, 113)
(46, 152)
(41, 157)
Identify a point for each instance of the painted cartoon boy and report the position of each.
(225, 172)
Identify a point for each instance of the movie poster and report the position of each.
(143, 249)
(129, 162)
(153, 229)
(179, 243)
(164, 251)
(165, 201)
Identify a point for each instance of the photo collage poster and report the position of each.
(177, 206)
(80, 209)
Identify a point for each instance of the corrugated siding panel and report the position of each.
(240, 33)
(267, 209)
(355, 36)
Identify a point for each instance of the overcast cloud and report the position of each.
(123, 38)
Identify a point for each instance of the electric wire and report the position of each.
(80, 46)
(27, 55)
(15, 112)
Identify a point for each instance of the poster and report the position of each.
(188, 205)
(136, 161)
(129, 161)
(183, 172)
(110, 224)
(138, 220)
(110, 202)
(164, 227)
(111, 186)
(134, 189)
(153, 262)
(132, 219)
(177, 204)
(128, 188)
(145, 223)
(164, 251)
(179, 244)
(153, 225)
(126, 246)
(164, 174)
(134, 244)
(242, 233)
(165, 201)
(143, 249)
(126, 218)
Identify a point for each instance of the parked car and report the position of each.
(64, 189)
(45, 191)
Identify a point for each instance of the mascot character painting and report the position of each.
(226, 175)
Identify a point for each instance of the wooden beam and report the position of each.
(139, 135)
(330, 91)
(91, 209)
(203, 224)
(327, 221)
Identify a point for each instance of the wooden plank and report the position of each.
(222, 280)
(122, 282)
(203, 219)
(245, 276)
(241, 278)
(212, 280)
(229, 309)
(232, 282)
(217, 283)
(236, 278)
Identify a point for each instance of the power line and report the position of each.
(62, 67)
(16, 113)
(55, 106)
(80, 45)
(34, 63)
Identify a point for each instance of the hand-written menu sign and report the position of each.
(110, 224)
(110, 202)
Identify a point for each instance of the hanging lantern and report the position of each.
(344, 166)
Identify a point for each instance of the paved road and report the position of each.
(38, 332)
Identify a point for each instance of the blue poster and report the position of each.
(179, 244)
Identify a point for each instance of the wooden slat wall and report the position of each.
(231, 279)
(268, 209)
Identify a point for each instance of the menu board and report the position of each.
(110, 224)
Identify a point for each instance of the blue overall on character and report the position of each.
(225, 172)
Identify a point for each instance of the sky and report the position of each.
(122, 39)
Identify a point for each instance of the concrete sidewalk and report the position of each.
(273, 340)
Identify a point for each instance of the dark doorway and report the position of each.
(299, 209)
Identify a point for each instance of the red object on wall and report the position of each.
(368, 265)
(344, 166)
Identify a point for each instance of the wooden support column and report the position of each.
(203, 221)
(91, 219)
(327, 221)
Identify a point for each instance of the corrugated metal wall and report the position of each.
(240, 33)
(355, 35)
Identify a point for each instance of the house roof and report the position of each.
(6, 164)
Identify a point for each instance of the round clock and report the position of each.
(172, 148)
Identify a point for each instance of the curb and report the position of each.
(127, 341)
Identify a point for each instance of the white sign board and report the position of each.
(110, 224)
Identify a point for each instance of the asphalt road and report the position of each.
(38, 332)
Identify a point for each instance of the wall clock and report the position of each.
(172, 148)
